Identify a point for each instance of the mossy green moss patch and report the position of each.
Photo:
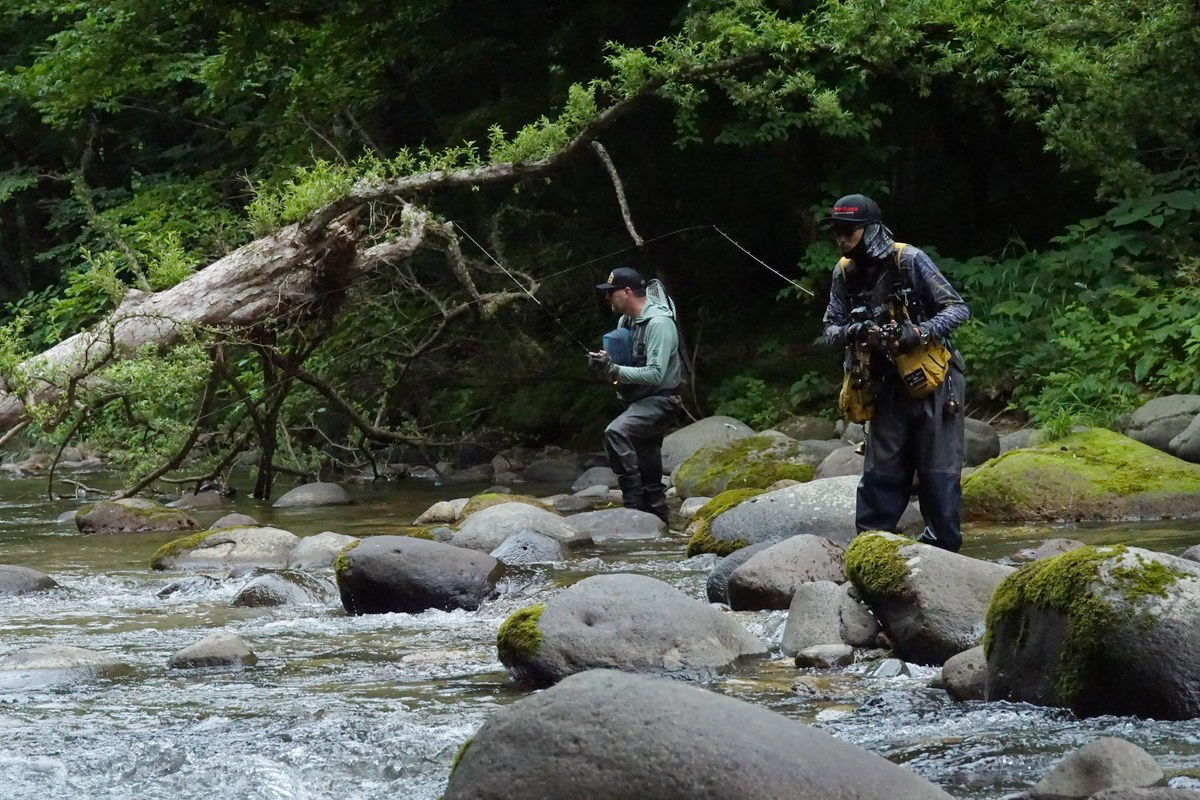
(1075, 585)
(754, 462)
(462, 751)
(175, 547)
(418, 532)
(519, 638)
(1088, 475)
(874, 564)
(488, 499)
(701, 540)
(339, 561)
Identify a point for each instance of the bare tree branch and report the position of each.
(620, 190)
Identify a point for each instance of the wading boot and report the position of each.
(655, 502)
(632, 495)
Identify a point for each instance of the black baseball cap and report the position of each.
(623, 278)
(855, 208)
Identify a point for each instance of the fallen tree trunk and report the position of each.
(278, 275)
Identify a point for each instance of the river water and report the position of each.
(376, 707)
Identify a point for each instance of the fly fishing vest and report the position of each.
(921, 369)
(631, 392)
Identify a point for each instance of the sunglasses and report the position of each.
(846, 228)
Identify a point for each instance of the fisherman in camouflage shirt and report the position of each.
(906, 435)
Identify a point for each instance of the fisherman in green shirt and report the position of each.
(650, 386)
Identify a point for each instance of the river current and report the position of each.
(377, 706)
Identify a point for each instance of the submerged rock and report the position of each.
(235, 521)
(281, 589)
(131, 514)
(628, 622)
(1102, 764)
(1099, 630)
(316, 552)
(931, 602)
(227, 547)
(1092, 475)
(752, 462)
(618, 524)
(16, 580)
(605, 734)
(201, 501)
(383, 574)
(311, 495)
(217, 650)
(57, 664)
(1047, 549)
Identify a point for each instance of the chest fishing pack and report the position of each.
(922, 369)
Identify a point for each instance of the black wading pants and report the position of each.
(908, 436)
(633, 442)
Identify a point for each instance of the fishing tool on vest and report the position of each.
(923, 368)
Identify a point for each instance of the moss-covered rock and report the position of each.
(227, 547)
(700, 541)
(754, 462)
(1099, 630)
(488, 499)
(131, 514)
(874, 563)
(1094, 474)
(518, 639)
(931, 602)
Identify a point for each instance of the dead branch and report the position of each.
(619, 187)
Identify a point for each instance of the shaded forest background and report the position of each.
(1043, 152)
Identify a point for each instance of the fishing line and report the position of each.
(765, 264)
(524, 288)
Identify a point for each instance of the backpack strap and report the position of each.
(842, 263)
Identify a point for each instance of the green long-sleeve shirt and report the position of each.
(656, 338)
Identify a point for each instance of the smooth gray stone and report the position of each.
(678, 446)
(311, 495)
(487, 529)
(964, 676)
(529, 547)
(886, 668)
(618, 525)
(216, 650)
(825, 656)
(15, 580)
(1102, 764)
(768, 579)
(317, 552)
(606, 734)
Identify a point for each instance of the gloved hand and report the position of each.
(602, 362)
(911, 337)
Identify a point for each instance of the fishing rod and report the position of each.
(525, 289)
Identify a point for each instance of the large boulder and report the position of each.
(823, 507)
(980, 442)
(824, 613)
(1091, 475)
(605, 734)
(769, 579)
(678, 446)
(227, 547)
(131, 514)
(214, 650)
(1017, 440)
(1162, 419)
(617, 525)
(490, 498)
(628, 622)
(1099, 630)
(16, 580)
(1101, 764)
(752, 462)
(487, 529)
(931, 602)
(383, 574)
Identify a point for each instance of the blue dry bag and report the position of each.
(619, 346)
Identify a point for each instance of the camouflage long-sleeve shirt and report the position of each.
(938, 307)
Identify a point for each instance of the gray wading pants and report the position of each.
(633, 442)
(908, 436)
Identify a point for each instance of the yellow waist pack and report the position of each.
(855, 400)
(923, 368)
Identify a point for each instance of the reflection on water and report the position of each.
(376, 707)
